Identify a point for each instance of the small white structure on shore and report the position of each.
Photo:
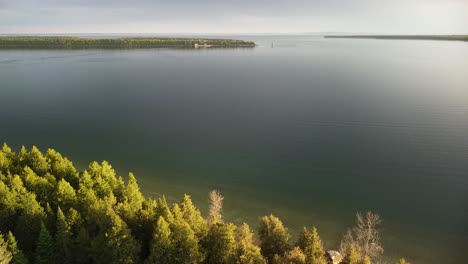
(196, 45)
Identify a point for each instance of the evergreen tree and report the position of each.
(247, 252)
(45, 247)
(63, 241)
(220, 243)
(274, 237)
(193, 217)
(7, 159)
(294, 256)
(353, 256)
(37, 161)
(62, 168)
(81, 247)
(18, 256)
(311, 245)
(65, 195)
(5, 255)
(186, 248)
(161, 248)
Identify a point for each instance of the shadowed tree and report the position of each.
(45, 247)
(274, 237)
(161, 249)
(18, 256)
(63, 241)
(81, 247)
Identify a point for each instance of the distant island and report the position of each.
(407, 37)
(38, 42)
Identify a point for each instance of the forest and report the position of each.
(52, 213)
(36, 42)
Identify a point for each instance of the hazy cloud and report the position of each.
(250, 16)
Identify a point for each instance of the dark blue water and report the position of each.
(310, 129)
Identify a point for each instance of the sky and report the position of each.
(234, 16)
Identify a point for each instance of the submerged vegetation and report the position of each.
(51, 213)
(408, 37)
(117, 43)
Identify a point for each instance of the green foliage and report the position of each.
(294, 256)
(53, 214)
(18, 256)
(353, 256)
(5, 254)
(403, 261)
(193, 217)
(220, 243)
(45, 247)
(311, 245)
(274, 237)
(161, 248)
(247, 251)
(115, 43)
(63, 239)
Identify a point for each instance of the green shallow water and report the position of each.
(312, 129)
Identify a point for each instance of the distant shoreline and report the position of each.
(40, 42)
(405, 37)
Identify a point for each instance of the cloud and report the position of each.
(396, 16)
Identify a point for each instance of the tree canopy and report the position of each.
(52, 213)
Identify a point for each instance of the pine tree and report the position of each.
(37, 161)
(18, 256)
(294, 256)
(193, 217)
(45, 247)
(81, 247)
(63, 241)
(65, 195)
(161, 248)
(220, 243)
(186, 248)
(5, 255)
(353, 256)
(274, 237)
(247, 252)
(311, 245)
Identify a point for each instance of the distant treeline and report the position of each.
(50, 213)
(116, 43)
(408, 37)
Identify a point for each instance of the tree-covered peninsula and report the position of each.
(52, 213)
(405, 37)
(35, 42)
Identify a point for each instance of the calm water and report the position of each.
(312, 129)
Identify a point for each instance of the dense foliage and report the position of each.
(51, 213)
(115, 43)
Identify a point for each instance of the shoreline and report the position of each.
(70, 43)
(463, 38)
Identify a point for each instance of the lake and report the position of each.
(310, 129)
